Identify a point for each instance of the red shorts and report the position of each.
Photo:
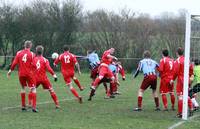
(94, 72)
(165, 86)
(44, 82)
(27, 81)
(105, 72)
(67, 77)
(149, 80)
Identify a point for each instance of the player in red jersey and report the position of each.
(166, 69)
(179, 73)
(68, 61)
(24, 59)
(41, 65)
(104, 71)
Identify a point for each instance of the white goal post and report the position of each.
(189, 17)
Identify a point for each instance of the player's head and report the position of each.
(66, 48)
(180, 51)
(165, 52)
(112, 50)
(27, 44)
(39, 50)
(147, 54)
(196, 62)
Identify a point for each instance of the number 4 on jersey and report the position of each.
(24, 58)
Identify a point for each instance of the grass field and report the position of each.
(99, 114)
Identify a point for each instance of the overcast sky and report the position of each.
(153, 7)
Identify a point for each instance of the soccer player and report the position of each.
(68, 61)
(179, 74)
(166, 69)
(41, 65)
(94, 63)
(196, 87)
(24, 60)
(104, 71)
(148, 67)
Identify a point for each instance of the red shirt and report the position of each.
(68, 61)
(105, 59)
(166, 67)
(24, 60)
(41, 65)
(121, 70)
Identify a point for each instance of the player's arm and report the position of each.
(122, 72)
(57, 60)
(50, 70)
(112, 57)
(78, 67)
(138, 70)
(13, 65)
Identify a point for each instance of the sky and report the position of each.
(152, 7)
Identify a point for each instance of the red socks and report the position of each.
(190, 105)
(139, 101)
(172, 100)
(164, 99)
(23, 99)
(180, 106)
(34, 100)
(74, 92)
(55, 99)
(78, 83)
(30, 98)
(156, 99)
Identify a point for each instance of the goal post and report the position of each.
(192, 36)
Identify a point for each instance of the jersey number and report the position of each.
(24, 58)
(67, 59)
(38, 64)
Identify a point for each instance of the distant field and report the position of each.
(99, 114)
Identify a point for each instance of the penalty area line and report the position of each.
(182, 122)
(41, 103)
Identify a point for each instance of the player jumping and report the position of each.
(68, 61)
(24, 60)
(148, 67)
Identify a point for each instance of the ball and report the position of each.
(54, 56)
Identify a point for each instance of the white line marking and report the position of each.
(182, 122)
(46, 102)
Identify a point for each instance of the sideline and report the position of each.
(182, 122)
(46, 102)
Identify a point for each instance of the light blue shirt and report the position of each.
(113, 68)
(93, 59)
(147, 66)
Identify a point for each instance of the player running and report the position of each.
(166, 69)
(41, 65)
(104, 71)
(68, 61)
(24, 60)
(179, 74)
(148, 67)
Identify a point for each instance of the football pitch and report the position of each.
(98, 114)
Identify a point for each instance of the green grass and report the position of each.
(99, 114)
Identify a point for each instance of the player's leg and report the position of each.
(172, 98)
(163, 92)
(23, 92)
(180, 105)
(194, 102)
(76, 81)
(153, 83)
(32, 90)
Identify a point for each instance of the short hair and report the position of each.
(66, 48)
(196, 61)
(147, 54)
(27, 44)
(165, 52)
(39, 50)
(180, 51)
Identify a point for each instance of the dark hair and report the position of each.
(165, 52)
(39, 50)
(66, 48)
(180, 51)
(196, 62)
(147, 54)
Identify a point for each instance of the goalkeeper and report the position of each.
(196, 87)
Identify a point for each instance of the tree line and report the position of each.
(53, 24)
